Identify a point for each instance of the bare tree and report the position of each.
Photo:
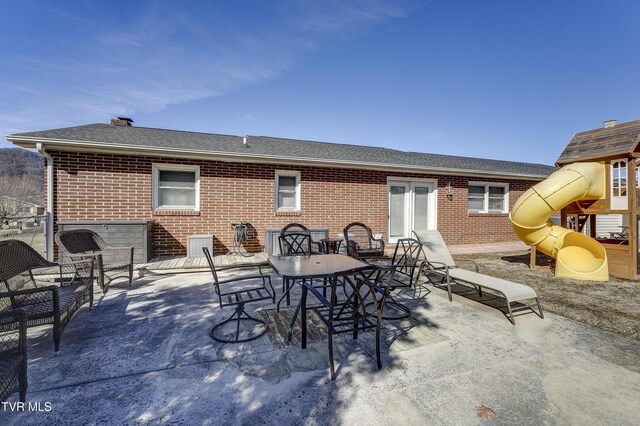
(18, 194)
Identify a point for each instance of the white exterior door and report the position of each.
(412, 205)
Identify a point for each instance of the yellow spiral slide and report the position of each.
(577, 255)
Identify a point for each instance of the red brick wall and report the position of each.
(114, 187)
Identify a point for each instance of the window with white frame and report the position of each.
(619, 185)
(488, 197)
(287, 190)
(176, 187)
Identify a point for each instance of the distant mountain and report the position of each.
(21, 162)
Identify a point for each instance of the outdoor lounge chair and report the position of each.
(47, 291)
(439, 262)
(13, 354)
(110, 262)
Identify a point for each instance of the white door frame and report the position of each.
(410, 184)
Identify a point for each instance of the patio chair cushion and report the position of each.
(514, 292)
(40, 305)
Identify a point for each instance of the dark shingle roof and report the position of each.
(601, 143)
(141, 138)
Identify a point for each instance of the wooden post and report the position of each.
(592, 225)
(633, 217)
(532, 260)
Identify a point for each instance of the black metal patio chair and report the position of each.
(367, 289)
(297, 228)
(292, 244)
(295, 244)
(237, 292)
(407, 256)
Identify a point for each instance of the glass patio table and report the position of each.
(310, 267)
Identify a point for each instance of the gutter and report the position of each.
(49, 212)
(27, 142)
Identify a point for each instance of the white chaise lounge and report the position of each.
(440, 262)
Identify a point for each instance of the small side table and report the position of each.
(331, 245)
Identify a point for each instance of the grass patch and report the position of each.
(612, 306)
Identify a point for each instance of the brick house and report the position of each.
(195, 183)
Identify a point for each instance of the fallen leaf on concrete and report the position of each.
(486, 412)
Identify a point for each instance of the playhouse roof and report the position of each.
(149, 141)
(602, 143)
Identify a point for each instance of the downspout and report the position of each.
(49, 213)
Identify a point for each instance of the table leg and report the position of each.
(303, 318)
(293, 320)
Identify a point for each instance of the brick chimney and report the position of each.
(121, 121)
(609, 123)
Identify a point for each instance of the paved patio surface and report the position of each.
(143, 355)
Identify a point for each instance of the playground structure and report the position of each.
(598, 175)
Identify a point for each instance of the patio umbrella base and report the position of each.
(238, 328)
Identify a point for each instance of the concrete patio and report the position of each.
(143, 355)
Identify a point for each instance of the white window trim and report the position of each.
(619, 202)
(290, 173)
(155, 176)
(486, 185)
(287, 173)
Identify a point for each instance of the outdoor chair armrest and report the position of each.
(77, 257)
(317, 294)
(266, 279)
(121, 254)
(352, 248)
(380, 241)
(21, 292)
(35, 273)
(55, 294)
(319, 246)
(437, 265)
(81, 268)
(473, 262)
(243, 278)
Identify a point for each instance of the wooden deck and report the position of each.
(222, 261)
(226, 261)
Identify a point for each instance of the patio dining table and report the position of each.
(306, 267)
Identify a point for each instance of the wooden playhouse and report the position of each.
(612, 220)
